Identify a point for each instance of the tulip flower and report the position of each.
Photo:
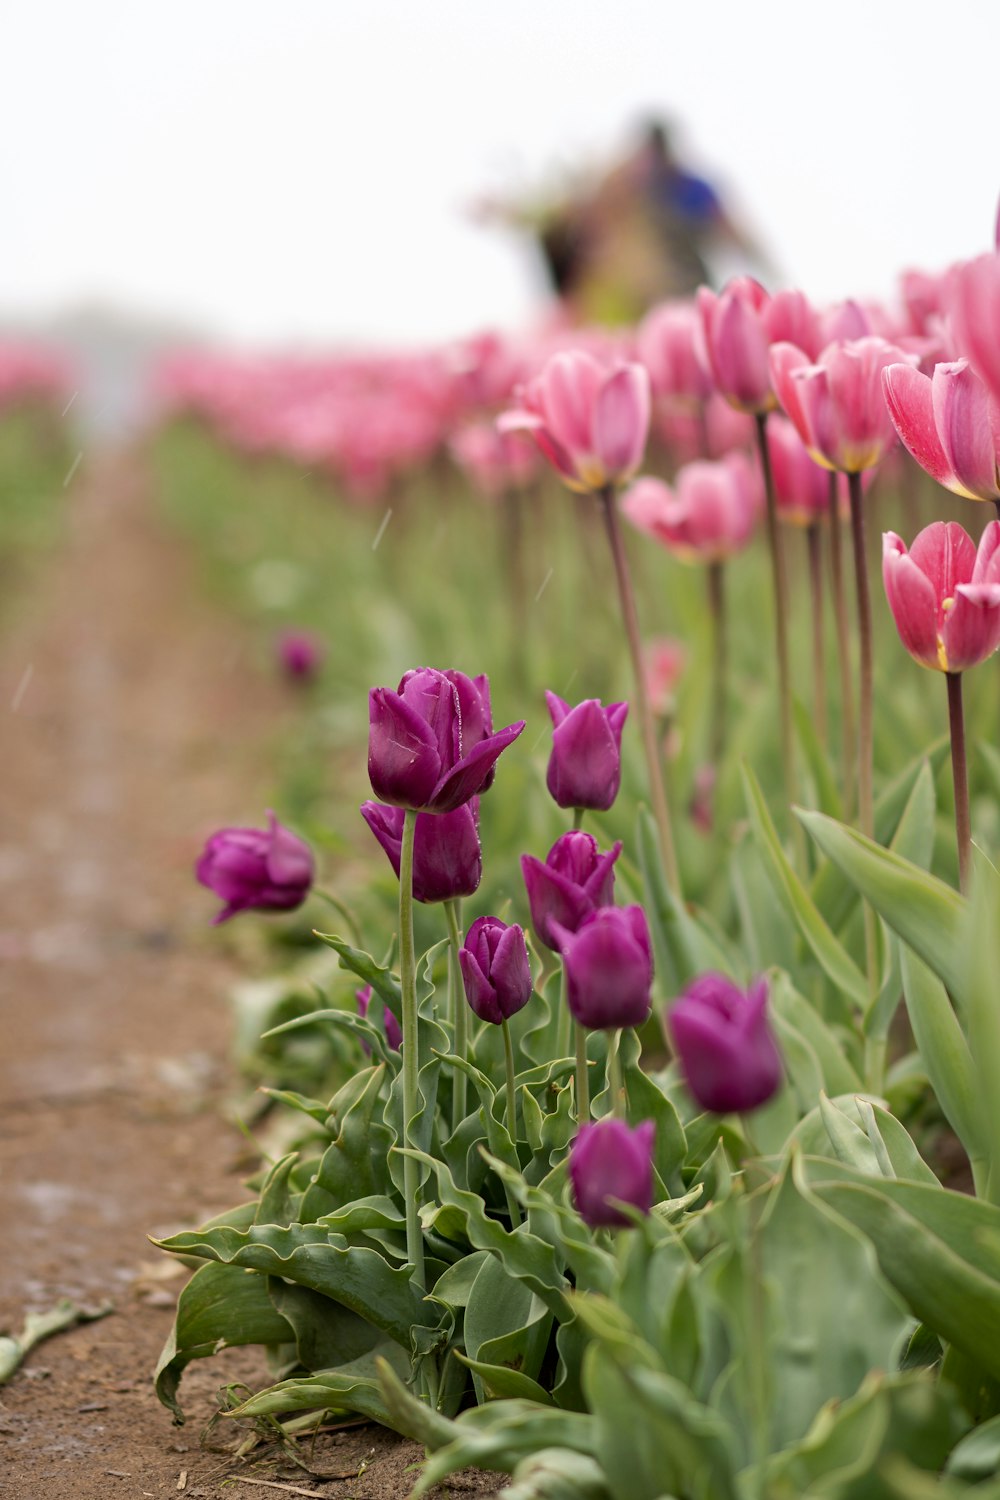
(447, 854)
(950, 423)
(495, 970)
(611, 1162)
(431, 745)
(393, 1032)
(669, 343)
(574, 881)
(589, 421)
(255, 869)
(664, 662)
(973, 299)
(739, 325)
(707, 516)
(945, 599)
(723, 1040)
(585, 767)
(609, 968)
(710, 432)
(300, 654)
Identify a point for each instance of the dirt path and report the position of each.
(132, 725)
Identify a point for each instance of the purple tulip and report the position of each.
(609, 1160)
(431, 745)
(256, 869)
(393, 1030)
(575, 880)
(447, 854)
(300, 654)
(585, 767)
(495, 969)
(609, 968)
(725, 1045)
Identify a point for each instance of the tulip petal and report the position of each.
(910, 401)
(288, 861)
(558, 707)
(913, 602)
(472, 773)
(971, 629)
(946, 555)
(404, 763)
(621, 421)
(962, 418)
(568, 388)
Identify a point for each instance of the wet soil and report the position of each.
(133, 723)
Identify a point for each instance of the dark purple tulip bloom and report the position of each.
(608, 1159)
(300, 654)
(575, 880)
(585, 767)
(431, 744)
(725, 1045)
(609, 968)
(447, 854)
(393, 1030)
(495, 969)
(256, 869)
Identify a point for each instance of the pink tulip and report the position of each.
(951, 425)
(975, 316)
(945, 594)
(663, 660)
(711, 433)
(669, 343)
(494, 461)
(836, 404)
(737, 340)
(590, 422)
(801, 487)
(707, 516)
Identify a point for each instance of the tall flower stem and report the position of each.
(779, 581)
(626, 595)
(866, 800)
(564, 1031)
(960, 777)
(720, 659)
(408, 985)
(814, 544)
(578, 815)
(512, 503)
(615, 1086)
(582, 1077)
(843, 634)
(459, 1011)
(510, 1111)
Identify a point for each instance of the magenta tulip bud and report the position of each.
(836, 404)
(495, 969)
(393, 1030)
(585, 767)
(431, 745)
(609, 968)
(589, 421)
(256, 869)
(723, 1039)
(300, 654)
(951, 425)
(608, 1160)
(945, 594)
(575, 880)
(708, 515)
(447, 854)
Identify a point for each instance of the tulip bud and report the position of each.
(393, 1030)
(585, 767)
(575, 879)
(431, 745)
(255, 869)
(300, 654)
(609, 1160)
(447, 854)
(722, 1037)
(609, 968)
(495, 969)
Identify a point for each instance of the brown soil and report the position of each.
(133, 725)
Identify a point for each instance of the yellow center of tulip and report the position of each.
(948, 604)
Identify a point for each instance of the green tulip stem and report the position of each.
(459, 1011)
(408, 985)
(720, 659)
(843, 633)
(960, 777)
(779, 585)
(814, 546)
(866, 800)
(582, 1079)
(654, 769)
(615, 1086)
(510, 1111)
(578, 813)
(564, 1032)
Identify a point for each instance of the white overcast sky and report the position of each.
(298, 170)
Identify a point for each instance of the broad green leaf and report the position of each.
(897, 1154)
(501, 1382)
(827, 950)
(557, 1474)
(944, 1051)
(982, 971)
(220, 1306)
(922, 910)
(353, 1165)
(502, 1433)
(351, 1387)
(829, 1048)
(848, 1140)
(505, 1325)
(367, 969)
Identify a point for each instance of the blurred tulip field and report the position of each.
(621, 1080)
